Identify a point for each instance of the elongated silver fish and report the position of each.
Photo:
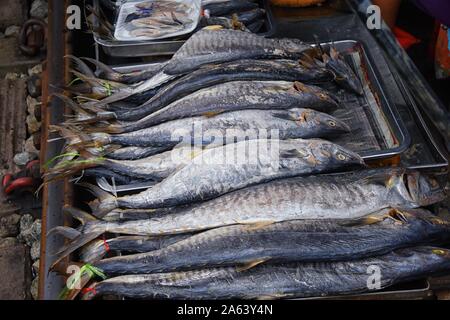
(236, 166)
(215, 46)
(280, 281)
(231, 126)
(289, 241)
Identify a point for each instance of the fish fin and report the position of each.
(104, 204)
(104, 71)
(66, 232)
(81, 66)
(213, 28)
(212, 114)
(284, 115)
(80, 215)
(252, 264)
(259, 225)
(377, 217)
(293, 153)
(74, 245)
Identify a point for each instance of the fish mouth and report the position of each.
(323, 95)
(423, 189)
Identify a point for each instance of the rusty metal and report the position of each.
(33, 37)
(55, 195)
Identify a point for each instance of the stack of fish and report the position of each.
(245, 15)
(159, 19)
(298, 217)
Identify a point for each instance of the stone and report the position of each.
(30, 146)
(12, 31)
(34, 86)
(15, 265)
(35, 267)
(12, 76)
(9, 226)
(22, 159)
(8, 242)
(36, 70)
(33, 125)
(30, 231)
(34, 289)
(35, 251)
(39, 9)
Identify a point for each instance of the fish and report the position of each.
(272, 281)
(232, 96)
(221, 129)
(344, 74)
(235, 166)
(98, 249)
(334, 196)
(213, 46)
(242, 70)
(251, 16)
(229, 7)
(289, 241)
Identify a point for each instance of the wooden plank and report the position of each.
(12, 12)
(13, 121)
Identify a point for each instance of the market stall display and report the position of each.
(170, 218)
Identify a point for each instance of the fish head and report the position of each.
(327, 123)
(324, 96)
(416, 189)
(344, 74)
(341, 157)
(323, 153)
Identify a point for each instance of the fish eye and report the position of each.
(341, 157)
(332, 123)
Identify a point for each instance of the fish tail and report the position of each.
(85, 113)
(90, 292)
(67, 168)
(104, 203)
(77, 238)
(80, 65)
(79, 280)
(104, 71)
(78, 141)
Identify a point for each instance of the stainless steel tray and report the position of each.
(378, 131)
(135, 49)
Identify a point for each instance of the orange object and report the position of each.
(406, 39)
(442, 59)
(296, 3)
